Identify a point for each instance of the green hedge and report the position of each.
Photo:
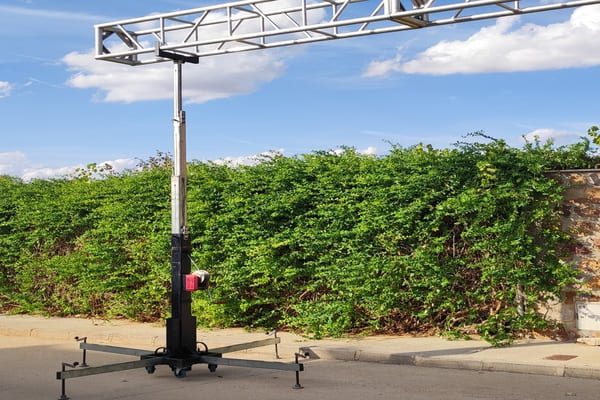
(419, 239)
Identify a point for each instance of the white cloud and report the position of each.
(12, 163)
(254, 159)
(369, 151)
(28, 174)
(16, 164)
(545, 134)
(5, 89)
(118, 165)
(122, 164)
(214, 78)
(508, 46)
(381, 68)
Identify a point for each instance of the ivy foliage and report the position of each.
(421, 239)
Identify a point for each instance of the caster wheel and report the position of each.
(212, 367)
(180, 373)
(151, 369)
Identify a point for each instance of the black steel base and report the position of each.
(180, 365)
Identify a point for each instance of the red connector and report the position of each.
(191, 283)
(197, 280)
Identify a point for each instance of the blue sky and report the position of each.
(59, 108)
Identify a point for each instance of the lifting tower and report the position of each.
(185, 37)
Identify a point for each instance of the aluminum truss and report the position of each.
(260, 24)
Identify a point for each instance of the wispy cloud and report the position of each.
(41, 60)
(404, 138)
(386, 135)
(52, 14)
(507, 46)
(5, 89)
(32, 81)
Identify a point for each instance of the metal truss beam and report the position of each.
(260, 24)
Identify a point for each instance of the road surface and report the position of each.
(28, 366)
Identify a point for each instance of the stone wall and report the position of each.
(581, 217)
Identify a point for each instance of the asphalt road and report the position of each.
(28, 366)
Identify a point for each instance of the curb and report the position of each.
(68, 335)
(351, 354)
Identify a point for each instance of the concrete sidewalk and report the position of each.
(540, 356)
